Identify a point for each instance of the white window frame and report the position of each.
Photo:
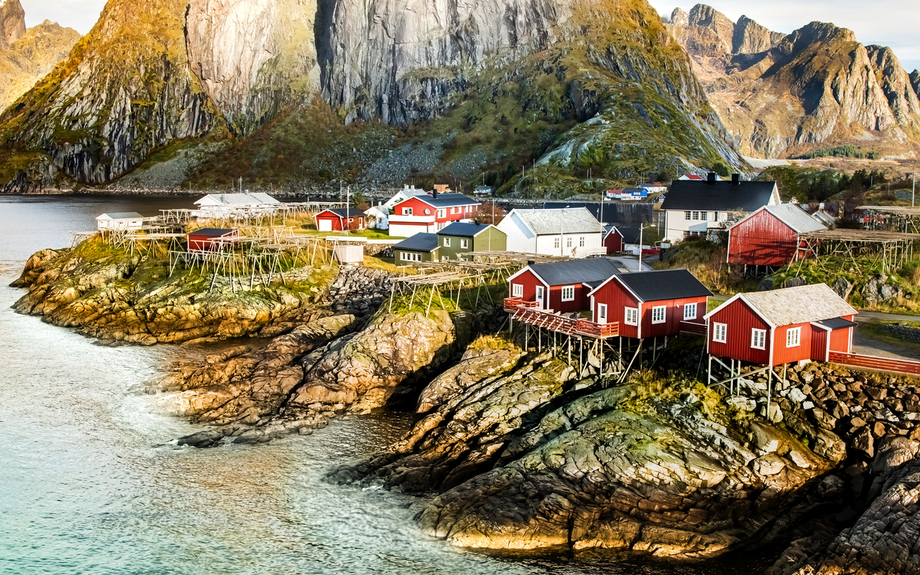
(568, 241)
(441, 213)
(581, 241)
(696, 216)
(687, 215)
(556, 243)
(690, 311)
(704, 216)
(659, 314)
(601, 313)
(568, 293)
(794, 337)
(446, 242)
(719, 332)
(407, 211)
(758, 338)
(631, 316)
(517, 290)
(464, 243)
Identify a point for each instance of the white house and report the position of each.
(570, 232)
(222, 205)
(119, 221)
(377, 217)
(694, 207)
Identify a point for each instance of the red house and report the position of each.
(650, 304)
(340, 219)
(769, 236)
(613, 240)
(781, 326)
(430, 214)
(209, 239)
(560, 286)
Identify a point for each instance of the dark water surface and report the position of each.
(90, 484)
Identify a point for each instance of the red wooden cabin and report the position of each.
(613, 240)
(560, 286)
(769, 236)
(430, 214)
(340, 219)
(209, 239)
(782, 326)
(650, 304)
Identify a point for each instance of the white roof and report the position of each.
(808, 303)
(119, 216)
(557, 221)
(796, 218)
(237, 200)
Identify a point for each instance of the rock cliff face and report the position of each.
(31, 57)
(816, 87)
(12, 22)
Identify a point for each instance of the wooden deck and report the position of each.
(523, 311)
(876, 363)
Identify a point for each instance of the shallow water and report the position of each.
(90, 483)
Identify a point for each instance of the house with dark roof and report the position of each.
(465, 237)
(419, 248)
(693, 208)
(430, 214)
(782, 326)
(571, 232)
(613, 240)
(649, 304)
(560, 286)
(210, 239)
(770, 236)
(340, 219)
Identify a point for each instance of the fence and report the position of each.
(876, 363)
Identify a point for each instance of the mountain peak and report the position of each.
(12, 22)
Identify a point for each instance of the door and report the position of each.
(325, 225)
(540, 303)
(602, 313)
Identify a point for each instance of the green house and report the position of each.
(415, 249)
(462, 238)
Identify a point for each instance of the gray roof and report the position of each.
(448, 200)
(121, 215)
(565, 220)
(464, 229)
(816, 302)
(796, 218)
(588, 271)
(246, 199)
(419, 243)
(718, 196)
(664, 285)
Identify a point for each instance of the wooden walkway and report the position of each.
(876, 363)
(523, 312)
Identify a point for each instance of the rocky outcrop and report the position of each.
(817, 86)
(915, 81)
(12, 22)
(31, 57)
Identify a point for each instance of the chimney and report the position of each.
(736, 179)
(531, 262)
(711, 179)
(434, 194)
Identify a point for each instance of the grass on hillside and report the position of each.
(706, 261)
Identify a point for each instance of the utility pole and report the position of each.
(913, 188)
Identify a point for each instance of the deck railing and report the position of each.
(693, 327)
(876, 363)
(523, 311)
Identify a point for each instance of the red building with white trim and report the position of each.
(613, 240)
(770, 236)
(782, 326)
(210, 239)
(650, 304)
(340, 219)
(430, 214)
(560, 286)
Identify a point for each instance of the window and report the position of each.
(601, 313)
(631, 316)
(715, 216)
(517, 290)
(793, 337)
(446, 242)
(719, 332)
(464, 243)
(440, 213)
(687, 215)
(456, 210)
(759, 338)
(704, 216)
(556, 243)
(568, 293)
(568, 242)
(407, 211)
(410, 257)
(581, 241)
(696, 216)
(659, 312)
(427, 212)
(690, 311)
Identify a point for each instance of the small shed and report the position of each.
(418, 248)
(561, 286)
(770, 236)
(340, 219)
(462, 238)
(613, 240)
(650, 304)
(349, 254)
(209, 239)
(782, 326)
(119, 221)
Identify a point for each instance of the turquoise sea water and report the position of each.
(89, 483)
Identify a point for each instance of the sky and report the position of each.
(889, 23)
